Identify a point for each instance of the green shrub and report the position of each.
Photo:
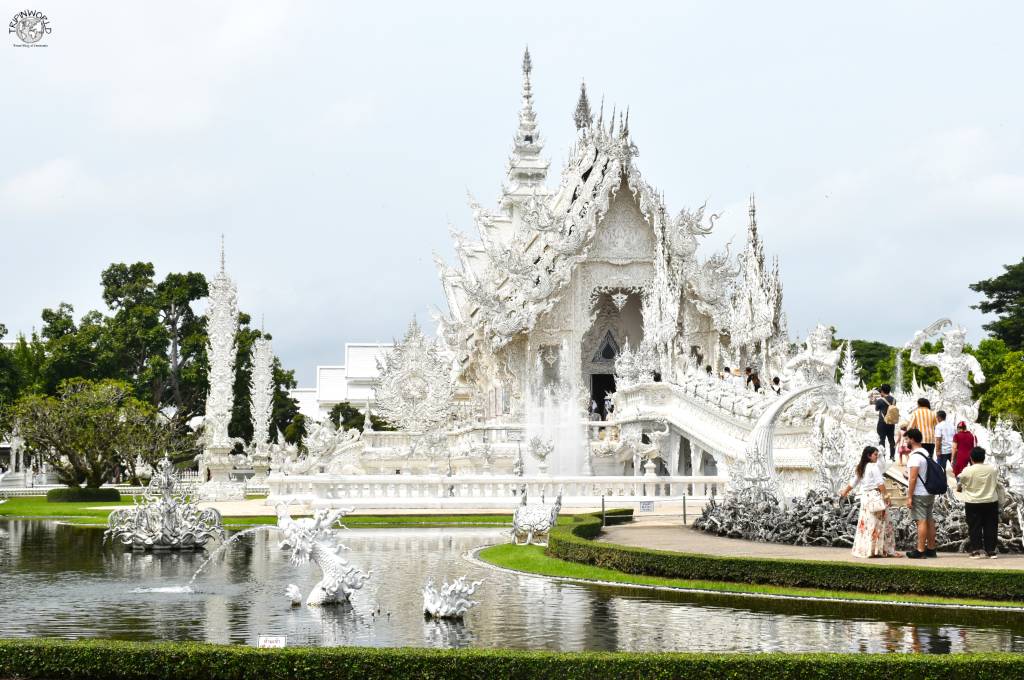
(113, 660)
(74, 494)
(574, 543)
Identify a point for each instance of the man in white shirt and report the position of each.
(920, 502)
(944, 432)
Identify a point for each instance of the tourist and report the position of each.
(709, 370)
(979, 484)
(875, 535)
(776, 385)
(943, 438)
(923, 419)
(964, 442)
(753, 379)
(920, 502)
(903, 445)
(887, 418)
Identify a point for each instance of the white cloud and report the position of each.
(54, 186)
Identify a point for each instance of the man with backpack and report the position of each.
(926, 479)
(888, 416)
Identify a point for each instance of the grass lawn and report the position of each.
(531, 559)
(91, 514)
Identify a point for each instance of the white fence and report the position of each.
(476, 491)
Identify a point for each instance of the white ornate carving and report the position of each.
(221, 326)
(165, 518)
(954, 391)
(261, 404)
(451, 601)
(314, 539)
(531, 524)
(415, 392)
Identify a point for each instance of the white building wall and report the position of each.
(353, 382)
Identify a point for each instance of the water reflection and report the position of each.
(74, 586)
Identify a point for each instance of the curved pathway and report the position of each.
(668, 535)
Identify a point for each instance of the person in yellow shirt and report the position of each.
(979, 486)
(923, 418)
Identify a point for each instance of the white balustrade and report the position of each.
(482, 490)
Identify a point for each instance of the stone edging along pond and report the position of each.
(117, 660)
(574, 543)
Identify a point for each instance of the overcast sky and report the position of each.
(332, 143)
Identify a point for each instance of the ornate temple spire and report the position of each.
(222, 252)
(582, 116)
(753, 215)
(526, 167)
(261, 390)
(222, 324)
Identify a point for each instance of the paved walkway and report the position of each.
(660, 534)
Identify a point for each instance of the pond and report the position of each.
(58, 580)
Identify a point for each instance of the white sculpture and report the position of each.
(217, 460)
(531, 522)
(294, 594)
(955, 388)
(315, 539)
(817, 363)
(415, 391)
(261, 405)
(165, 518)
(451, 601)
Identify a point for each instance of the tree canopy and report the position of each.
(92, 429)
(1004, 297)
(151, 338)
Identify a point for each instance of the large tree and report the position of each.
(90, 430)
(1004, 297)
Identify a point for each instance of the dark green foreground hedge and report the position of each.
(111, 660)
(574, 543)
(73, 494)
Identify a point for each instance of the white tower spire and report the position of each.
(526, 168)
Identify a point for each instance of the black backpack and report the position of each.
(935, 480)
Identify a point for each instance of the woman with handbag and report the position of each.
(875, 535)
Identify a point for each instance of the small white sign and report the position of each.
(646, 506)
(272, 641)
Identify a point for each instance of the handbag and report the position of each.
(873, 502)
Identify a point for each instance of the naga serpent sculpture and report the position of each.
(313, 539)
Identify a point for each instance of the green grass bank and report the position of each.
(574, 543)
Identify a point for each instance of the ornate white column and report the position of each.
(261, 405)
(221, 326)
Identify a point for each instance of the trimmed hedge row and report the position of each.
(574, 543)
(113, 660)
(83, 494)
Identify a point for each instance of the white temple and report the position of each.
(582, 349)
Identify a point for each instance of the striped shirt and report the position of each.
(924, 419)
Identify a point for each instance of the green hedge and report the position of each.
(574, 543)
(112, 660)
(75, 494)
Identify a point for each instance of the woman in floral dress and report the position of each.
(875, 535)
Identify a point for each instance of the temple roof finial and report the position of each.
(526, 167)
(582, 116)
(753, 214)
(222, 252)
